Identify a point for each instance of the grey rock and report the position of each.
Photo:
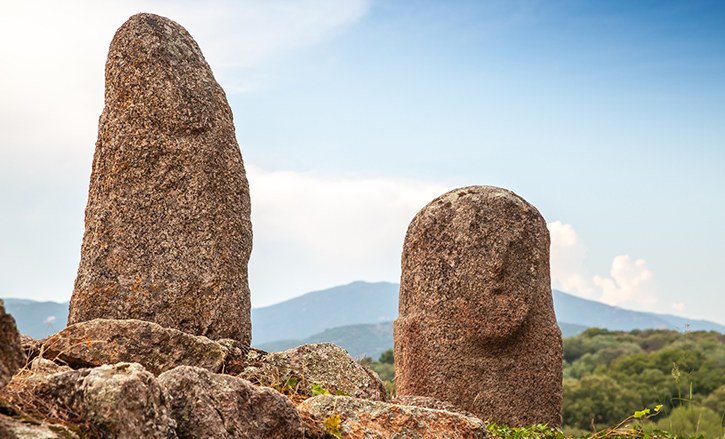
(12, 356)
(167, 228)
(208, 405)
(324, 364)
(118, 401)
(11, 428)
(476, 322)
(158, 349)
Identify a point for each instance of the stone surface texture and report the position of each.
(167, 228)
(380, 420)
(119, 401)
(324, 364)
(208, 405)
(476, 323)
(11, 428)
(158, 349)
(430, 403)
(12, 356)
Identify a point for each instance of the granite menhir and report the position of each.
(476, 323)
(168, 233)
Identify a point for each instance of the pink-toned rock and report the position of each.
(167, 228)
(476, 322)
(367, 419)
(208, 405)
(158, 349)
(12, 357)
(324, 364)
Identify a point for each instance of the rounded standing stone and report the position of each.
(476, 323)
(168, 233)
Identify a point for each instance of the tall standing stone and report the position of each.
(476, 322)
(168, 232)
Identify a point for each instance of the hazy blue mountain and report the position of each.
(315, 315)
(359, 340)
(37, 319)
(571, 329)
(298, 320)
(301, 317)
(572, 309)
(681, 323)
(369, 339)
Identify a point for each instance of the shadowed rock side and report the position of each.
(209, 405)
(477, 325)
(11, 354)
(168, 233)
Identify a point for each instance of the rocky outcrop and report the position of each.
(326, 365)
(208, 405)
(359, 418)
(12, 357)
(476, 324)
(158, 349)
(126, 401)
(167, 229)
(119, 401)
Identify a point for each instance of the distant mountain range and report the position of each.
(312, 313)
(37, 319)
(359, 317)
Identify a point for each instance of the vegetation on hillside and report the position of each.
(638, 384)
(384, 366)
(609, 375)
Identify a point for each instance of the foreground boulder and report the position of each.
(119, 401)
(208, 405)
(359, 418)
(167, 229)
(158, 349)
(476, 323)
(325, 365)
(12, 357)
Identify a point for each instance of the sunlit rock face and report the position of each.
(476, 322)
(167, 231)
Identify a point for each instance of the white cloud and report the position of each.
(679, 306)
(308, 228)
(631, 282)
(54, 55)
(568, 271)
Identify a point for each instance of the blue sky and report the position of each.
(351, 116)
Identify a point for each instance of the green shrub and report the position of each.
(693, 421)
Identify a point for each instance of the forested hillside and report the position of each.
(610, 375)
